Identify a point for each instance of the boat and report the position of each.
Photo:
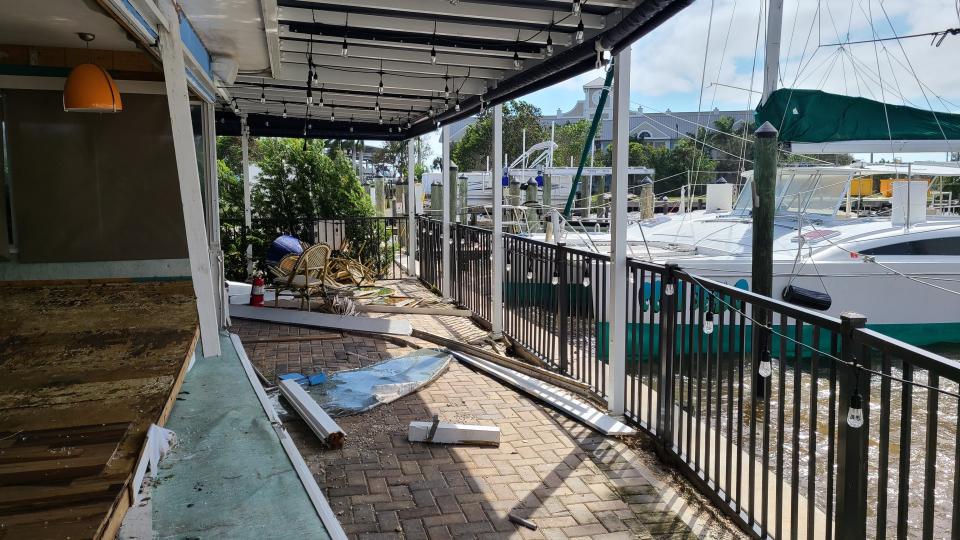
(900, 270)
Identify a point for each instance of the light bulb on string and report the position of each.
(669, 289)
(586, 276)
(708, 322)
(344, 49)
(855, 411)
(575, 7)
(579, 35)
(549, 45)
(516, 60)
(433, 55)
(284, 110)
(765, 369)
(555, 278)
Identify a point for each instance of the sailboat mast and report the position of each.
(771, 59)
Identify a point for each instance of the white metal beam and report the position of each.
(360, 22)
(298, 73)
(189, 177)
(617, 293)
(517, 14)
(446, 202)
(420, 55)
(271, 30)
(411, 210)
(455, 73)
(496, 285)
(289, 37)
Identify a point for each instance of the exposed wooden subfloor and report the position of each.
(87, 368)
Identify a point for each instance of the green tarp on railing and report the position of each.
(812, 116)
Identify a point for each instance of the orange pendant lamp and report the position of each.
(89, 88)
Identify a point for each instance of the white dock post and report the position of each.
(174, 73)
(496, 286)
(447, 201)
(411, 212)
(617, 293)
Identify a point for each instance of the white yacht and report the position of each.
(902, 271)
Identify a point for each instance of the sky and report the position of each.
(711, 54)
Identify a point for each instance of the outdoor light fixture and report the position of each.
(456, 105)
(236, 106)
(380, 88)
(333, 117)
(586, 276)
(765, 369)
(529, 273)
(446, 86)
(344, 49)
(555, 278)
(516, 60)
(266, 123)
(320, 103)
(310, 96)
(708, 323)
(89, 88)
(376, 106)
(263, 95)
(380, 119)
(549, 44)
(855, 411)
(669, 289)
(284, 110)
(575, 8)
(579, 35)
(508, 266)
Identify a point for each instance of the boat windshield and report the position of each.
(809, 192)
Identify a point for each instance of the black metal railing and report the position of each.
(375, 242)
(473, 266)
(430, 252)
(749, 396)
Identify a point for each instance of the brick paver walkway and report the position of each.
(564, 477)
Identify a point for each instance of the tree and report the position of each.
(230, 151)
(673, 166)
(471, 151)
(569, 139)
(395, 153)
(297, 183)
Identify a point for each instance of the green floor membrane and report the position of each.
(228, 476)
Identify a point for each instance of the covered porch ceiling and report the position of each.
(394, 69)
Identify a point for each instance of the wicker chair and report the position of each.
(285, 266)
(307, 276)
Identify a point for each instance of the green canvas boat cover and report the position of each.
(812, 116)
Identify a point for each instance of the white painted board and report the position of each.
(315, 417)
(322, 320)
(448, 433)
(551, 395)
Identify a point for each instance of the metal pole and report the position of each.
(448, 189)
(553, 126)
(247, 212)
(617, 292)
(496, 286)
(411, 212)
(771, 61)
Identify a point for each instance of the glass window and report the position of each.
(949, 246)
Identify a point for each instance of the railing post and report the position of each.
(668, 312)
(852, 440)
(563, 299)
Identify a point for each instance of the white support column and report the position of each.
(212, 181)
(617, 293)
(247, 212)
(496, 286)
(411, 211)
(447, 201)
(189, 176)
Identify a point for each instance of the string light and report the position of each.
(765, 369)
(555, 278)
(236, 106)
(446, 86)
(320, 103)
(376, 106)
(380, 118)
(433, 54)
(586, 276)
(575, 8)
(333, 117)
(284, 109)
(549, 44)
(708, 322)
(344, 51)
(516, 60)
(855, 411)
(263, 94)
(456, 105)
(579, 35)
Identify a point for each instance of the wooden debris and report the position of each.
(315, 417)
(447, 433)
(386, 308)
(284, 339)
